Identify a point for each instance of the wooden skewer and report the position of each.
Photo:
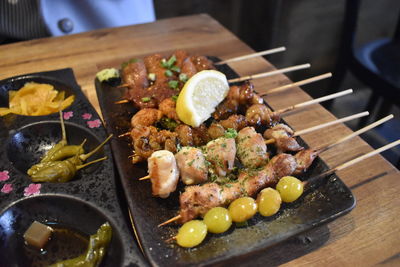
(315, 101)
(124, 134)
(262, 53)
(144, 178)
(354, 161)
(359, 132)
(348, 118)
(299, 83)
(269, 73)
(170, 220)
(123, 101)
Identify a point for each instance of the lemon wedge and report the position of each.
(200, 96)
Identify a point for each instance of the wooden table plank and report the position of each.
(368, 235)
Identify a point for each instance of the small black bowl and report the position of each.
(17, 83)
(27, 145)
(54, 210)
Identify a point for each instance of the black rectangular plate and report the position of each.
(327, 201)
(94, 186)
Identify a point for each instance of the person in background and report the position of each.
(30, 19)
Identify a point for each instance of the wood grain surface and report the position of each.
(369, 235)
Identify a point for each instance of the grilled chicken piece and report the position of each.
(163, 173)
(260, 114)
(135, 75)
(153, 65)
(168, 109)
(304, 159)
(185, 134)
(221, 154)
(200, 135)
(147, 139)
(181, 56)
(197, 200)
(192, 165)
(235, 121)
(216, 130)
(146, 117)
(282, 135)
(251, 148)
(202, 63)
(188, 68)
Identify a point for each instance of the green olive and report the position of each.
(269, 201)
(217, 220)
(242, 209)
(191, 234)
(290, 188)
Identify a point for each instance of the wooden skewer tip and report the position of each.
(170, 220)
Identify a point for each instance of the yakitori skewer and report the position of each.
(315, 101)
(248, 56)
(270, 73)
(330, 123)
(354, 161)
(299, 83)
(320, 126)
(178, 217)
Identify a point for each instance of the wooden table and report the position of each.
(369, 235)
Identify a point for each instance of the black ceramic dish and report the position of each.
(82, 204)
(325, 202)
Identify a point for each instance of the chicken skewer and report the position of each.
(262, 53)
(299, 83)
(198, 200)
(283, 136)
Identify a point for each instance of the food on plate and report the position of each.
(290, 188)
(191, 234)
(269, 201)
(218, 220)
(38, 234)
(36, 99)
(200, 96)
(192, 165)
(61, 162)
(163, 173)
(242, 209)
(95, 252)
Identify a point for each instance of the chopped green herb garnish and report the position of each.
(230, 133)
(183, 77)
(175, 68)
(168, 73)
(191, 162)
(173, 84)
(146, 99)
(174, 97)
(171, 61)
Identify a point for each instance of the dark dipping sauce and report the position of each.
(65, 243)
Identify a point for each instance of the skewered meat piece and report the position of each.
(197, 200)
(153, 65)
(181, 56)
(216, 130)
(202, 63)
(282, 134)
(146, 117)
(304, 159)
(147, 139)
(260, 114)
(235, 121)
(135, 75)
(185, 134)
(251, 148)
(200, 135)
(221, 154)
(239, 98)
(163, 173)
(168, 108)
(188, 68)
(192, 165)
(149, 97)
